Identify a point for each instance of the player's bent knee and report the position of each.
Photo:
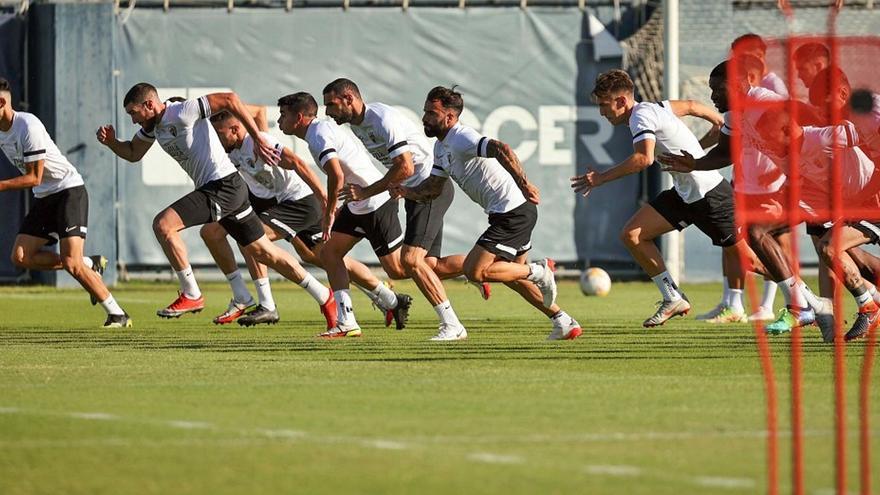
(397, 273)
(473, 272)
(72, 265)
(18, 258)
(212, 232)
(826, 251)
(630, 237)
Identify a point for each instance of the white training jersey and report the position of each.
(267, 181)
(656, 121)
(326, 141)
(462, 155)
(27, 141)
(387, 134)
(868, 126)
(760, 174)
(185, 133)
(816, 161)
(775, 83)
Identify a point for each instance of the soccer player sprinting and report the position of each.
(402, 147)
(762, 183)
(185, 133)
(344, 160)
(817, 147)
(288, 199)
(500, 186)
(701, 198)
(60, 212)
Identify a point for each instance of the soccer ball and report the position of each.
(595, 282)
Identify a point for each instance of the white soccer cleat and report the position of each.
(569, 330)
(712, 313)
(762, 314)
(450, 332)
(547, 282)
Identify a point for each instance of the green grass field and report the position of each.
(185, 407)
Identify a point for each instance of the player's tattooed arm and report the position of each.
(508, 159)
(292, 161)
(427, 190)
(31, 178)
(401, 169)
(132, 151)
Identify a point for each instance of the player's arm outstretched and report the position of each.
(233, 104)
(335, 181)
(132, 151)
(31, 178)
(508, 159)
(642, 158)
(402, 168)
(427, 190)
(291, 161)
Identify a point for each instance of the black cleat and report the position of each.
(400, 313)
(99, 264)
(118, 321)
(866, 320)
(259, 315)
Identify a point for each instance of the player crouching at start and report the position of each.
(501, 188)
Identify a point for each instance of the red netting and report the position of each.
(808, 157)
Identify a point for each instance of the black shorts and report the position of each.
(509, 235)
(225, 201)
(424, 221)
(300, 218)
(713, 215)
(59, 215)
(870, 229)
(380, 227)
(819, 230)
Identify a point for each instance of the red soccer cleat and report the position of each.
(182, 305)
(328, 309)
(233, 312)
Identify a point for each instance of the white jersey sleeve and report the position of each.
(323, 147)
(441, 165)
(727, 126)
(143, 135)
(644, 123)
(392, 132)
(33, 143)
(193, 110)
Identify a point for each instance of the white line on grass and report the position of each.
(285, 434)
(189, 425)
(613, 470)
(386, 444)
(99, 416)
(720, 482)
(490, 458)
